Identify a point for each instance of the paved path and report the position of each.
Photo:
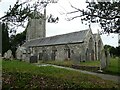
(103, 76)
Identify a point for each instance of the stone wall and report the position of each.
(61, 52)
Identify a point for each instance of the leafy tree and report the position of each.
(118, 51)
(5, 38)
(114, 51)
(17, 40)
(106, 13)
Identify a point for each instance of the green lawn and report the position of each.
(114, 66)
(88, 65)
(18, 74)
(70, 63)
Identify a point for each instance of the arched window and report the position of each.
(95, 51)
(87, 54)
(67, 52)
(53, 55)
(42, 54)
(91, 49)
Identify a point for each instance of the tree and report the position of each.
(114, 51)
(17, 40)
(106, 13)
(18, 14)
(5, 38)
(118, 51)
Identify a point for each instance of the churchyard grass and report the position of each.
(114, 67)
(18, 74)
(88, 65)
(69, 63)
(58, 62)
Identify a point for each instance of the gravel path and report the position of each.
(103, 76)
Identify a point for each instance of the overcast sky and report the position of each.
(64, 26)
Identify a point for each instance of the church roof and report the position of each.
(74, 37)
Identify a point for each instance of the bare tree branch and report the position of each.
(86, 13)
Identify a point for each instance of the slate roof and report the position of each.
(74, 37)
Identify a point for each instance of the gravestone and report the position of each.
(33, 59)
(5, 55)
(8, 55)
(21, 53)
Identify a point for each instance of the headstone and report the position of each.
(5, 55)
(21, 53)
(8, 55)
(33, 59)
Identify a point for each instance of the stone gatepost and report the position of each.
(102, 60)
(105, 59)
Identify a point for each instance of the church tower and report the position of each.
(36, 27)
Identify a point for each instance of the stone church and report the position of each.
(82, 45)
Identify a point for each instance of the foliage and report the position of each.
(17, 40)
(18, 74)
(5, 38)
(106, 13)
(114, 51)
